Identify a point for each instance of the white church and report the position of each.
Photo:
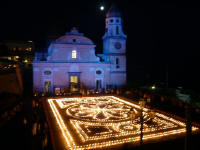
(71, 64)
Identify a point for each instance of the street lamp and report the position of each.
(142, 103)
(153, 87)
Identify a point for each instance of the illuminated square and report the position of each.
(104, 121)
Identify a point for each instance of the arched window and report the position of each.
(98, 72)
(117, 30)
(111, 32)
(117, 61)
(47, 72)
(74, 55)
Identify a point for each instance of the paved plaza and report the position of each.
(105, 122)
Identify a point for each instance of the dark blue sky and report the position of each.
(158, 33)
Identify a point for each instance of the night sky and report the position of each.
(159, 34)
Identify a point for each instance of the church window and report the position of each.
(74, 54)
(47, 85)
(117, 62)
(98, 72)
(47, 72)
(111, 32)
(98, 84)
(117, 30)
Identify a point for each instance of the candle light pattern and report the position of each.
(105, 121)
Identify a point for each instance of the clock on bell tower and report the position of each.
(118, 45)
(114, 45)
(114, 40)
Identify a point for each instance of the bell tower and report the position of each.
(114, 46)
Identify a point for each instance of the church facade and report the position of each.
(71, 63)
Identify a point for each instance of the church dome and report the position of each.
(113, 12)
(74, 37)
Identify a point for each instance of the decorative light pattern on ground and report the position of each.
(98, 122)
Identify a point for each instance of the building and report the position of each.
(18, 51)
(71, 63)
(10, 78)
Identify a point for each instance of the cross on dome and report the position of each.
(74, 31)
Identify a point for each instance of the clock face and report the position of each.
(118, 45)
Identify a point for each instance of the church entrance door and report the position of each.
(73, 83)
(98, 84)
(47, 86)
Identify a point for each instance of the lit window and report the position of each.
(73, 79)
(47, 86)
(28, 49)
(47, 72)
(74, 54)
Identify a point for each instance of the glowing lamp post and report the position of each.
(153, 87)
(142, 103)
